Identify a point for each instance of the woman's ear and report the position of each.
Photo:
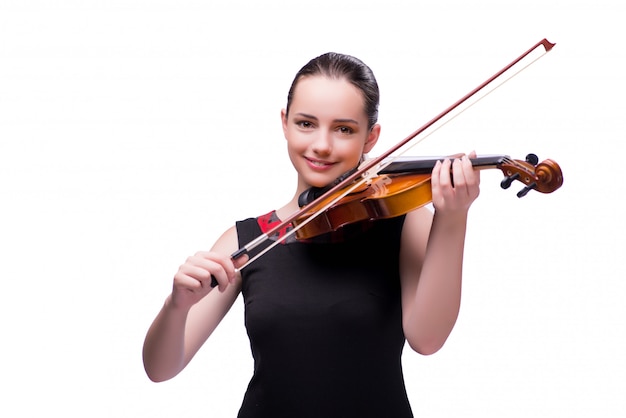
(283, 119)
(372, 138)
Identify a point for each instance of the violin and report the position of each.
(404, 185)
(388, 186)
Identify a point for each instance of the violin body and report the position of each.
(405, 185)
(387, 196)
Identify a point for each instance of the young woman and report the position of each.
(328, 318)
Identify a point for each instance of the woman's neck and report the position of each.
(290, 208)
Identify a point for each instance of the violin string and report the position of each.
(513, 162)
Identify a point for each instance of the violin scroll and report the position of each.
(545, 177)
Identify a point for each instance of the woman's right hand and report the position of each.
(192, 282)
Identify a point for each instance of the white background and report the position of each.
(132, 133)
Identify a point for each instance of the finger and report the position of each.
(225, 262)
(240, 261)
(476, 172)
(471, 174)
(218, 266)
(237, 263)
(221, 274)
(202, 272)
(435, 185)
(445, 179)
(458, 174)
(434, 177)
(229, 265)
(185, 281)
(206, 268)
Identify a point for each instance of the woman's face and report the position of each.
(326, 130)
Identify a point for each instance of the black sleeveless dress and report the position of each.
(325, 326)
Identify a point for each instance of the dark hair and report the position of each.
(338, 66)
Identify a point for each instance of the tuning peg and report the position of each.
(532, 159)
(507, 181)
(526, 189)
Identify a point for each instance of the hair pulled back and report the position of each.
(340, 66)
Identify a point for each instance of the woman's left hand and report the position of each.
(455, 185)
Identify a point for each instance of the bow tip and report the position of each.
(547, 44)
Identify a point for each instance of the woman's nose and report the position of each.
(323, 143)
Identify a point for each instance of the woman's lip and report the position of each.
(319, 164)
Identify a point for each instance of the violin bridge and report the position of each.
(379, 185)
(370, 173)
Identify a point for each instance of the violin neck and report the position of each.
(426, 165)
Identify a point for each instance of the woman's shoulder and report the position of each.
(227, 242)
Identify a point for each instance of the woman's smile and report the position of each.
(319, 165)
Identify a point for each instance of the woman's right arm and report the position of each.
(193, 310)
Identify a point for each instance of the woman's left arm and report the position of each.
(431, 259)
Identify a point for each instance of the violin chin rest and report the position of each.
(310, 195)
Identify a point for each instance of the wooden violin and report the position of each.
(404, 185)
(379, 189)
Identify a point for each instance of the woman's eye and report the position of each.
(304, 124)
(345, 130)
